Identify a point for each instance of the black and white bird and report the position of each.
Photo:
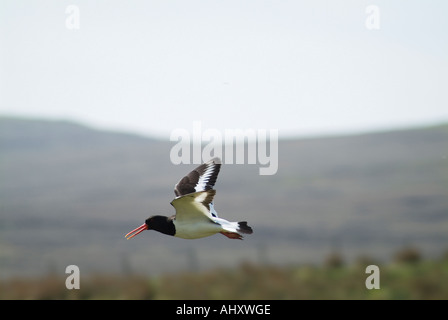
(195, 215)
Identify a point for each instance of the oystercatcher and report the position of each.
(195, 215)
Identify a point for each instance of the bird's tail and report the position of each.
(244, 228)
(233, 230)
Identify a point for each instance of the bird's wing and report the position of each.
(194, 206)
(202, 178)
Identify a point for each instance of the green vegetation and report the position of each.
(404, 278)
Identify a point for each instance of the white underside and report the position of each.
(195, 220)
(203, 228)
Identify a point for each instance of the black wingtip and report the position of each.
(202, 178)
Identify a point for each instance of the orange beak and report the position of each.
(136, 231)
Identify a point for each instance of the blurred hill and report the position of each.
(69, 193)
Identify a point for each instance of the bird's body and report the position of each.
(195, 215)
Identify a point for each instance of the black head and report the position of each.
(162, 224)
(159, 223)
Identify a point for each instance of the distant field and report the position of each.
(406, 279)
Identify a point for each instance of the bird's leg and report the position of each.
(232, 235)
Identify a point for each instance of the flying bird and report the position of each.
(195, 215)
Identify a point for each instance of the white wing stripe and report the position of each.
(204, 179)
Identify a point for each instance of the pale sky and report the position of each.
(302, 67)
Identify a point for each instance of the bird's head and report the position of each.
(152, 223)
